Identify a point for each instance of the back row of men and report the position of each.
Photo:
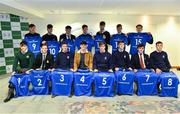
(133, 39)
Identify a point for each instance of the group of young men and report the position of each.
(34, 52)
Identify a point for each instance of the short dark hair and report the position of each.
(101, 43)
(49, 26)
(31, 25)
(158, 42)
(118, 25)
(84, 26)
(64, 43)
(140, 45)
(120, 42)
(102, 23)
(139, 25)
(44, 44)
(83, 43)
(68, 27)
(22, 43)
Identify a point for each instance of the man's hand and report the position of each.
(149, 32)
(52, 69)
(110, 70)
(28, 71)
(158, 71)
(135, 70)
(74, 70)
(13, 73)
(130, 68)
(95, 70)
(152, 70)
(116, 69)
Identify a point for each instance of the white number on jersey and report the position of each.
(169, 82)
(82, 79)
(52, 51)
(104, 81)
(34, 46)
(39, 82)
(147, 79)
(62, 78)
(124, 77)
(19, 81)
(138, 41)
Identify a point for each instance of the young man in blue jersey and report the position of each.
(25, 59)
(121, 57)
(33, 40)
(49, 36)
(106, 34)
(85, 36)
(159, 59)
(118, 37)
(140, 60)
(64, 59)
(102, 60)
(67, 35)
(134, 39)
(32, 31)
(44, 60)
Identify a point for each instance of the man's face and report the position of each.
(119, 29)
(141, 50)
(49, 30)
(83, 46)
(121, 45)
(23, 48)
(139, 29)
(44, 49)
(64, 47)
(68, 31)
(102, 48)
(102, 27)
(32, 29)
(159, 47)
(85, 30)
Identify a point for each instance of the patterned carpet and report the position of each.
(88, 105)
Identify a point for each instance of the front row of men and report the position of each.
(83, 59)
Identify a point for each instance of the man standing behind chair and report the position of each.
(85, 36)
(67, 35)
(140, 60)
(106, 34)
(49, 36)
(159, 59)
(44, 60)
(68, 38)
(32, 31)
(33, 40)
(139, 37)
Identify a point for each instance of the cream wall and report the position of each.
(164, 28)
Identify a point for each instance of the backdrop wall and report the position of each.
(12, 30)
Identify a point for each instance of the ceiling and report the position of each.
(41, 8)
